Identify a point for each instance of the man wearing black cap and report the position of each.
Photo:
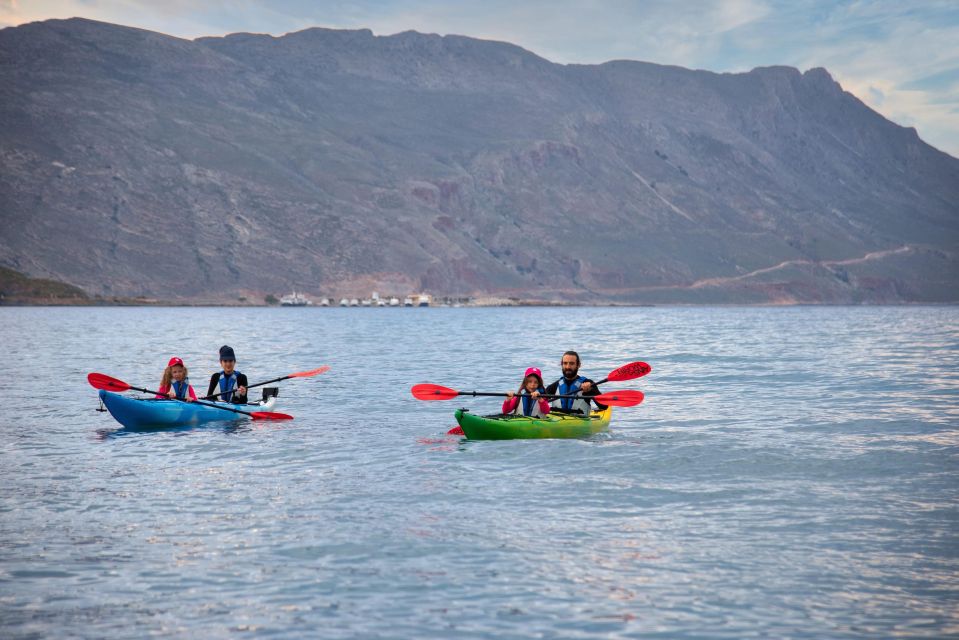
(229, 383)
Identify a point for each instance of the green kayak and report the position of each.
(511, 427)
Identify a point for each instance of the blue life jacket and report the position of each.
(227, 384)
(181, 389)
(567, 388)
(528, 406)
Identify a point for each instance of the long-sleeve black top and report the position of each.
(215, 387)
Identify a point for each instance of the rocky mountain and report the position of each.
(134, 163)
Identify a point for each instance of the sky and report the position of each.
(899, 57)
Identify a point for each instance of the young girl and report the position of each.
(527, 401)
(175, 383)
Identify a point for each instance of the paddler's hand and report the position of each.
(587, 386)
(534, 395)
(241, 390)
(171, 394)
(510, 394)
(189, 398)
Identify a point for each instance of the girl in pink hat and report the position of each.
(527, 401)
(175, 382)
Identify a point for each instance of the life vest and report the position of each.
(227, 384)
(181, 389)
(528, 406)
(567, 388)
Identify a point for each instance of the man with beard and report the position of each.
(572, 384)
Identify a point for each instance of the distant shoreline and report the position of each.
(522, 304)
(18, 290)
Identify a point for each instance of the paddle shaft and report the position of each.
(587, 398)
(516, 395)
(505, 395)
(595, 385)
(205, 404)
(249, 386)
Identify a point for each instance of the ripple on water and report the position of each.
(792, 473)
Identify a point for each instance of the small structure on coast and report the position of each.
(295, 300)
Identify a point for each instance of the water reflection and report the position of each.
(227, 427)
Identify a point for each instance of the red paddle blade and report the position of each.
(308, 374)
(269, 415)
(456, 431)
(433, 392)
(105, 382)
(625, 398)
(629, 371)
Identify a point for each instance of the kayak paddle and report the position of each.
(629, 371)
(301, 374)
(626, 372)
(106, 383)
(625, 398)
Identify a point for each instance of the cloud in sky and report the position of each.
(900, 58)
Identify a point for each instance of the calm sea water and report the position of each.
(793, 473)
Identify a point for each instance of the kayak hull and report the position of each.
(510, 427)
(136, 413)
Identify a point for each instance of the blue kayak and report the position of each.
(149, 412)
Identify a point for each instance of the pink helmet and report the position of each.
(174, 360)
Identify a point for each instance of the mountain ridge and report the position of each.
(337, 161)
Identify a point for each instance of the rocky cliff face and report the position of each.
(133, 163)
